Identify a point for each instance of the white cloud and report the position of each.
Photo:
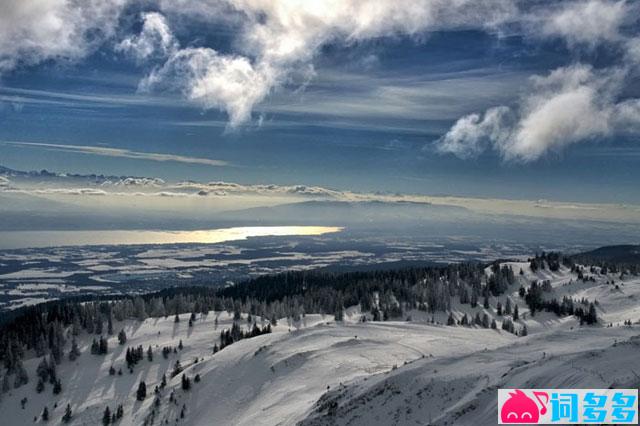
(587, 22)
(469, 135)
(569, 105)
(281, 37)
(277, 39)
(633, 51)
(232, 83)
(225, 188)
(35, 30)
(155, 39)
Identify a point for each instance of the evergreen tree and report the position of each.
(75, 351)
(464, 320)
(163, 384)
(186, 382)
(507, 308)
(122, 337)
(485, 320)
(57, 387)
(499, 309)
(451, 320)
(150, 354)
(103, 347)
(516, 316)
(494, 325)
(40, 386)
(177, 369)
(22, 378)
(110, 324)
(106, 417)
(42, 371)
(477, 320)
(67, 414)
(45, 414)
(141, 394)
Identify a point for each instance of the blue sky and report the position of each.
(505, 102)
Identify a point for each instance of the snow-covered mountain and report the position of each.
(318, 371)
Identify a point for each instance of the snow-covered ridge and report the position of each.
(319, 371)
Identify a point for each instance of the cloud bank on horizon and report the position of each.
(194, 197)
(275, 45)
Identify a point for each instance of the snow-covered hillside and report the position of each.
(318, 371)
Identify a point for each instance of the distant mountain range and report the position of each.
(619, 254)
(11, 173)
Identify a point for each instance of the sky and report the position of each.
(488, 99)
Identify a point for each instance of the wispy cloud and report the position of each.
(121, 153)
(71, 99)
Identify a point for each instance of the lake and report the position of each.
(26, 239)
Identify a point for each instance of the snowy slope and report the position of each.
(318, 371)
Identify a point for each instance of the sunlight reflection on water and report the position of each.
(24, 239)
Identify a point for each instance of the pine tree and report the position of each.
(465, 320)
(42, 371)
(95, 347)
(176, 319)
(103, 347)
(110, 324)
(21, 375)
(485, 320)
(163, 383)
(525, 331)
(40, 386)
(592, 316)
(45, 414)
(186, 382)
(516, 315)
(75, 351)
(451, 320)
(122, 337)
(180, 345)
(6, 386)
(106, 417)
(499, 309)
(494, 325)
(141, 394)
(507, 308)
(57, 387)
(67, 414)
(150, 354)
